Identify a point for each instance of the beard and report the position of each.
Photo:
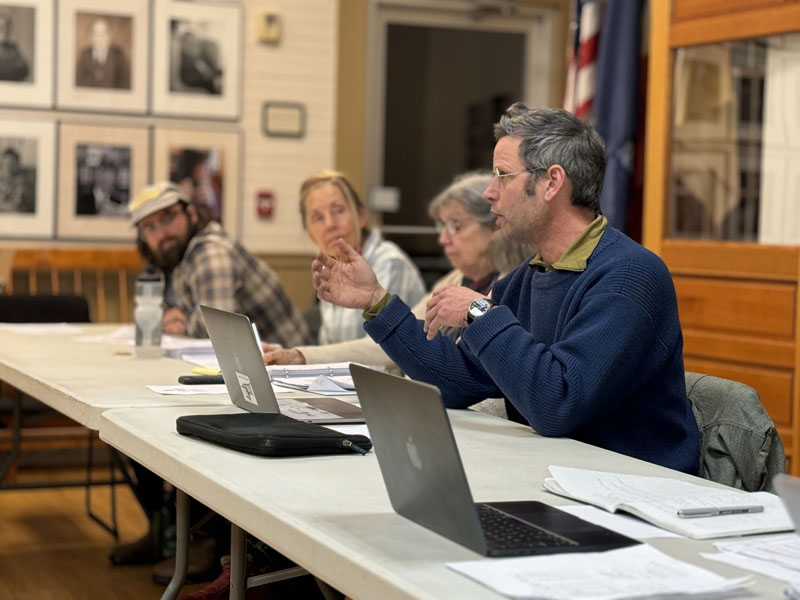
(168, 258)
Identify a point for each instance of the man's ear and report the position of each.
(556, 179)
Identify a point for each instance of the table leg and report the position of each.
(238, 562)
(181, 546)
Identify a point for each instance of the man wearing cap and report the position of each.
(204, 265)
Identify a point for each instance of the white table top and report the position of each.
(82, 379)
(331, 514)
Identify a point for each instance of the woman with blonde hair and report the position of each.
(332, 210)
(478, 257)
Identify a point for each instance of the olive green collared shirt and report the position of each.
(574, 259)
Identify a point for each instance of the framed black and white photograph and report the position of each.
(100, 168)
(203, 164)
(27, 167)
(198, 56)
(103, 55)
(26, 53)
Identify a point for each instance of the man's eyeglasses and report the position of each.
(452, 226)
(502, 175)
(152, 227)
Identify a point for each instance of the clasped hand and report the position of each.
(274, 354)
(448, 307)
(174, 321)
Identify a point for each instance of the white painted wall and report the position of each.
(301, 68)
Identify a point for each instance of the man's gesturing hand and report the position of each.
(346, 279)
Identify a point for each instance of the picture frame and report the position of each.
(205, 161)
(27, 168)
(100, 168)
(26, 69)
(283, 119)
(699, 198)
(103, 60)
(202, 73)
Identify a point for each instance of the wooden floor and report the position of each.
(50, 549)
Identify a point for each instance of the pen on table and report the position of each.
(710, 511)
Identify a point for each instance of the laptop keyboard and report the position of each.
(503, 531)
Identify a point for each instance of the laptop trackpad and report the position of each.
(564, 524)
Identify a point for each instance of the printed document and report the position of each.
(658, 500)
(633, 572)
(775, 556)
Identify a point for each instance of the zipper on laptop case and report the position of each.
(353, 447)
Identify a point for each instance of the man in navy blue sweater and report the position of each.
(583, 341)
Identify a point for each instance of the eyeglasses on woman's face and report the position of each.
(452, 226)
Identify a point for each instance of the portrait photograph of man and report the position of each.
(103, 51)
(17, 175)
(196, 65)
(199, 174)
(103, 180)
(16, 43)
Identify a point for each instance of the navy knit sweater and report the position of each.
(592, 355)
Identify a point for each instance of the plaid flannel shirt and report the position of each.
(217, 271)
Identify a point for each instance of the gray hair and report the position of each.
(467, 189)
(553, 136)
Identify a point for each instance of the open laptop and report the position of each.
(788, 488)
(239, 357)
(426, 483)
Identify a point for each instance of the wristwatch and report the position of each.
(478, 308)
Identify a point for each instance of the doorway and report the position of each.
(440, 79)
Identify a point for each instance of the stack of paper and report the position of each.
(325, 385)
(658, 500)
(776, 556)
(634, 572)
(328, 369)
(331, 379)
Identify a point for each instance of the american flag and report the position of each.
(580, 88)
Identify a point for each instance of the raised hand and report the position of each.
(345, 279)
(448, 307)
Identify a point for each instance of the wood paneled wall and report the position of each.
(738, 302)
(106, 278)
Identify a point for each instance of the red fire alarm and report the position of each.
(265, 204)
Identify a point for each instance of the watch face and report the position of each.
(481, 305)
(478, 308)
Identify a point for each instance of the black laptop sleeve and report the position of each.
(271, 435)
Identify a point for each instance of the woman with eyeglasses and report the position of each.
(332, 210)
(465, 228)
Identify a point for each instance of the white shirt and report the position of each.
(394, 271)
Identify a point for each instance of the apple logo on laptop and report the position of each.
(413, 454)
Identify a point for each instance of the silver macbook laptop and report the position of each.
(426, 483)
(239, 357)
(788, 488)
